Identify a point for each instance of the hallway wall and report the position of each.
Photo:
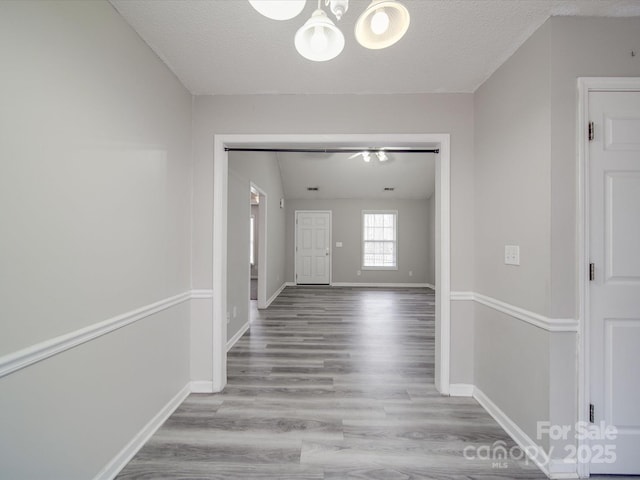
(95, 200)
(525, 194)
(332, 114)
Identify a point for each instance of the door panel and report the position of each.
(614, 238)
(622, 236)
(313, 252)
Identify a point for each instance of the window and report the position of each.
(380, 240)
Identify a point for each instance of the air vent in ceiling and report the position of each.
(389, 189)
(313, 189)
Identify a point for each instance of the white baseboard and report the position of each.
(560, 469)
(382, 285)
(137, 442)
(461, 390)
(232, 341)
(535, 452)
(201, 386)
(275, 295)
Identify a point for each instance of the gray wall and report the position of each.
(580, 47)
(262, 169)
(525, 194)
(330, 114)
(413, 234)
(95, 209)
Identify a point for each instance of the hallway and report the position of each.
(330, 383)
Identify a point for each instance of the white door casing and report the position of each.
(218, 244)
(313, 248)
(614, 291)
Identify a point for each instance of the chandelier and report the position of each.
(382, 24)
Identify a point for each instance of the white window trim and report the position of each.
(387, 212)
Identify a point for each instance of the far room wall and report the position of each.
(414, 231)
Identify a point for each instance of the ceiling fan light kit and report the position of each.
(382, 24)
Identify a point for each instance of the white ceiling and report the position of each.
(338, 176)
(223, 47)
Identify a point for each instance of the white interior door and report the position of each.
(614, 238)
(313, 248)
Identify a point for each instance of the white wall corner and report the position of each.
(278, 292)
(461, 296)
(201, 386)
(461, 390)
(233, 340)
(118, 462)
(202, 293)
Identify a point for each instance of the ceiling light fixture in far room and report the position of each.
(278, 9)
(382, 24)
(319, 39)
(366, 155)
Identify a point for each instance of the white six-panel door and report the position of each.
(313, 248)
(614, 238)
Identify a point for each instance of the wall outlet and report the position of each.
(512, 255)
(228, 318)
(235, 311)
(411, 273)
(339, 244)
(358, 272)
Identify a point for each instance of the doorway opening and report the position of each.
(258, 247)
(441, 142)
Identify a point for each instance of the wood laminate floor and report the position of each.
(330, 383)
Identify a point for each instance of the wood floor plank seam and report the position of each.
(330, 383)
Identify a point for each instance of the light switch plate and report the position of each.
(512, 255)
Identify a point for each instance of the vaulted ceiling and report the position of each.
(222, 47)
(410, 175)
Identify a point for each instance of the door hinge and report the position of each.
(592, 272)
(591, 131)
(592, 413)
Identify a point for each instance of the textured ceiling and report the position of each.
(226, 47)
(339, 176)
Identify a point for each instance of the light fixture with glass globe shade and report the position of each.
(382, 24)
(279, 9)
(319, 39)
